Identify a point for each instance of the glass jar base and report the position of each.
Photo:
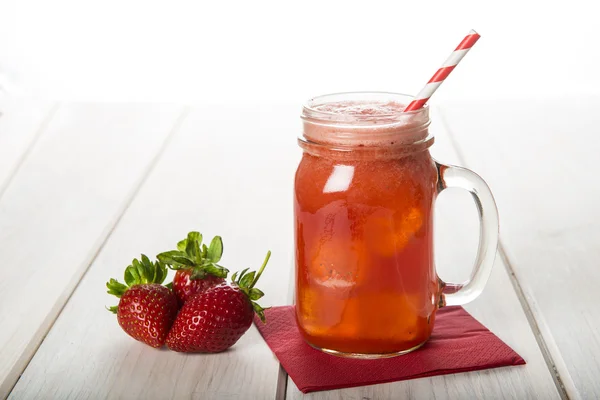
(362, 356)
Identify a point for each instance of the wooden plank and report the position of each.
(226, 172)
(21, 123)
(63, 202)
(540, 158)
(498, 308)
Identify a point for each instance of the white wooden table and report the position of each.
(84, 188)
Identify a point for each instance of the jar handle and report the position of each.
(456, 177)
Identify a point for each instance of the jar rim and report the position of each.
(310, 112)
(364, 152)
(364, 119)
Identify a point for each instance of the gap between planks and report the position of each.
(282, 377)
(543, 336)
(101, 242)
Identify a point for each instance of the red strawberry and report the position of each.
(184, 286)
(147, 309)
(213, 321)
(146, 312)
(196, 265)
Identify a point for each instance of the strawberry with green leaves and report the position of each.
(146, 308)
(214, 320)
(196, 265)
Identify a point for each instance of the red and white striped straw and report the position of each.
(436, 80)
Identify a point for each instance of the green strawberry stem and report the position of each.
(113, 309)
(139, 272)
(262, 268)
(192, 255)
(246, 281)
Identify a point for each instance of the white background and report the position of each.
(287, 51)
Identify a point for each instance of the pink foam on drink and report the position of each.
(362, 108)
(364, 123)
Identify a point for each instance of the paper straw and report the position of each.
(436, 80)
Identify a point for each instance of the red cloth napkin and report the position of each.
(459, 343)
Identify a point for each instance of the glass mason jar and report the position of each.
(366, 284)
